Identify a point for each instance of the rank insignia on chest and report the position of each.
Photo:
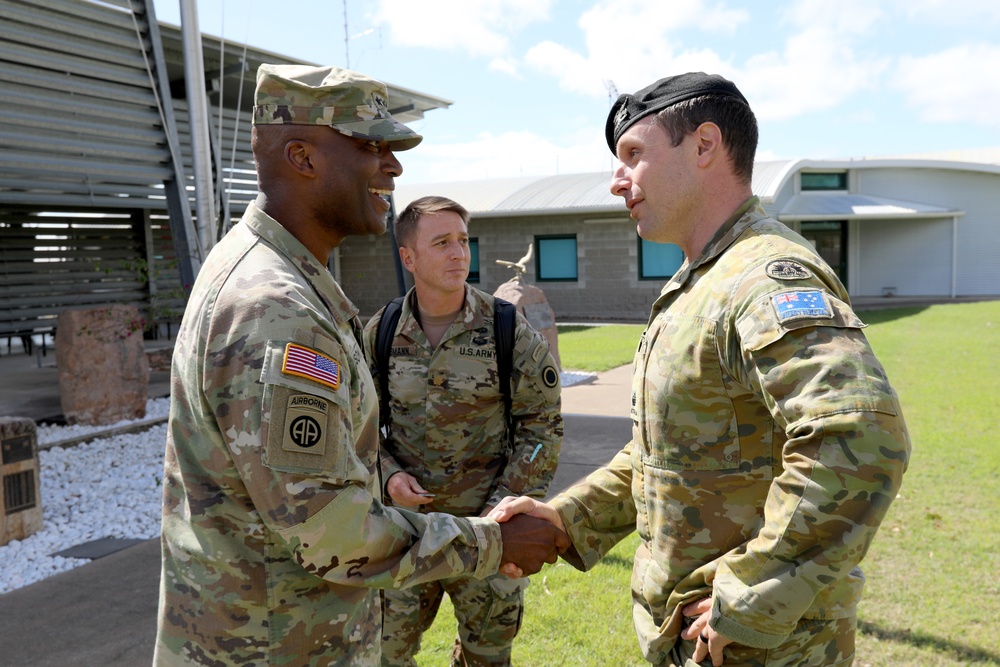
(801, 304)
(304, 362)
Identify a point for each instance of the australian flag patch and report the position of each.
(800, 304)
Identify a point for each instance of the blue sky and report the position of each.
(530, 79)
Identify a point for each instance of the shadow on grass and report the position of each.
(963, 654)
(877, 316)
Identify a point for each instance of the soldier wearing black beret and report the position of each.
(767, 441)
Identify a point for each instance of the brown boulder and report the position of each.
(103, 370)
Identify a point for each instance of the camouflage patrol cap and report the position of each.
(349, 102)
(629, 109)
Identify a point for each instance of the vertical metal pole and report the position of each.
(182, 231)
(390, 225)
(201, 149)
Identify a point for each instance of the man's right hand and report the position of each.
(528, 543)
(405, 490)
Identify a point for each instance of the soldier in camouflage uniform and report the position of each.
(274, 536)
(447, 446)
(767, 442)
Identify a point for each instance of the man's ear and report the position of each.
(406, 257)
(709, 143)
(298, 154)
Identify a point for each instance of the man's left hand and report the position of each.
(708, 642)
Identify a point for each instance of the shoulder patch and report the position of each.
(787, 269)
(550, 376)
(305, 423)
(305, 362)
(799, 304)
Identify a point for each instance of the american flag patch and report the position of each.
(306, 363)
(793, 305)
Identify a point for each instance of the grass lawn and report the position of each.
(933, 592)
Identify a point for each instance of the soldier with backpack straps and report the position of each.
(470, 414)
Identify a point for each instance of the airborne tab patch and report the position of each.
(803, 304)
(304, 362)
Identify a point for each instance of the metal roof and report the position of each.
(568, 193)
(844, 206)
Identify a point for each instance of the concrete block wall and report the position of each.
(607, 286)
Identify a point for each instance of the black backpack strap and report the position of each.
(383, 348)
(504, 321)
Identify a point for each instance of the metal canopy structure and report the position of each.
(97, 198)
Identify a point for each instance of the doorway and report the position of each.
(829, 238)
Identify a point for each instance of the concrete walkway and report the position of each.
(103, 614)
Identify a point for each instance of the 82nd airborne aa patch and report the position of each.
(787, 269)
(305, 423)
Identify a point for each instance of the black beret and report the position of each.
(629, 109)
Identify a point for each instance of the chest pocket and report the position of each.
(687, 418)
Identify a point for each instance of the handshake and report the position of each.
(532, 533)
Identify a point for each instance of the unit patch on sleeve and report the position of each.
(787, 269)
(305, 422)
(801, 304)
(305, 362)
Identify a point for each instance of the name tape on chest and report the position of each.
(801, 304)
(305, 362)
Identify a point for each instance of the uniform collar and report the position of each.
(746, 215)
(319, 277)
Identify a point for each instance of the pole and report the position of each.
(201, 150)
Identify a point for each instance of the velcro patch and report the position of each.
(305, 421)
(801, 304)
(786, 269)
(305, 362)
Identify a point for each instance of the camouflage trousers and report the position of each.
(488, 611)
(812, 644)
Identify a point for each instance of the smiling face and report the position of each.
(438, 255)
(357, 182)
(658, 181)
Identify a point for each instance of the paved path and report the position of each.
(103, 614)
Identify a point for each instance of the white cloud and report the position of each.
(476, 27)
(955, 85)
(505, 155)
(506, 66)
(632, 43)
(817, 70)
(819, 66)
(951, 13)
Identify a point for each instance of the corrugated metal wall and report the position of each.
(84, 134)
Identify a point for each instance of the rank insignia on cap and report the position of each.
(786, 269)
(797, 305)
(310, 364)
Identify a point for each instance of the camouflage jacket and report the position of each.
(448, 417)
(767, 445)
(273, 531)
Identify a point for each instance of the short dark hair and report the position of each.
(735, 119)
(405, 227)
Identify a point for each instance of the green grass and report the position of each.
(933, 592)
(598, 348)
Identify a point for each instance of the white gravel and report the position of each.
(108, 487)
